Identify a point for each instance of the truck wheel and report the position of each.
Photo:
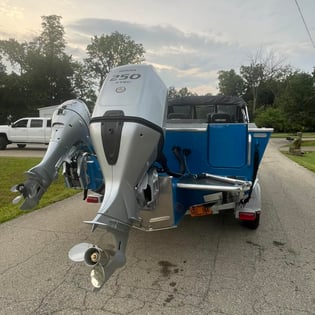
(253, 225)
(3, 142)
(21, 145)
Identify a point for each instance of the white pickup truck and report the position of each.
(24, 131)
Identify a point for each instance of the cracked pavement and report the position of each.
(208, 265)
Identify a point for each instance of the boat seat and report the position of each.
(221, 118)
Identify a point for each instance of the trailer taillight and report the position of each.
(93, 199)
(247, 216)
(200, 210)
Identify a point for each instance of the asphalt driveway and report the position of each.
(208, 265)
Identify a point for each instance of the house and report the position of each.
(47, 111)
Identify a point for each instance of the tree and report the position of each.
(271, 118)
(297, 101)
(2, 68)
(173, 93)
(294, 105)
(253, 76)
(230, 83)
(109, 51)
(51, 41)
(44, 69)
(49, 80)
(15, 53)
(55, 65)
(262, 68)
(3, 78)
(83, 85)
(13, 98)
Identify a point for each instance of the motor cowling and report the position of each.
(127, 132)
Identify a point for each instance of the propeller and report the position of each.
(31, 190)
(77, 252)
(19, 188)
(17, 199)
(94, 257)
(97, 276)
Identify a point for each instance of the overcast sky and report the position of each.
(188, 41)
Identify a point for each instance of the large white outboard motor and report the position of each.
(126, 130)
(123, 138)
(127, 133)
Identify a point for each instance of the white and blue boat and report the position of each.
(150, 161)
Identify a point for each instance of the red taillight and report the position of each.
(247, 216)
(93, 199)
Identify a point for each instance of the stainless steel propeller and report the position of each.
(77, 252)
(94, 257)
(97, 276)
(19, 188)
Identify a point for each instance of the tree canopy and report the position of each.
(51, 42)
(173, 92)
(278, 96)
(231, 83)
(44, 74)
(109, 51)
(43, 70)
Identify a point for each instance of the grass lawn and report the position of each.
(308, 143)
(307, 160)
(12, 172)
(284, 135)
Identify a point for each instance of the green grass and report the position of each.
(307, 160)
(284, 135)
(12, 172)
(308, 143)
(305, 143)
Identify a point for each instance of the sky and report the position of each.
(187, 42)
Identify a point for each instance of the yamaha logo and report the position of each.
(120, 89)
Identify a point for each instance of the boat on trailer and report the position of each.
(150, 161)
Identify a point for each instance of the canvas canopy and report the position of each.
(208, 100)
(210, 109)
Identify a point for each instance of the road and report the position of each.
(209, 265)
(31, 150)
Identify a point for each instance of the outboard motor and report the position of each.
(69, 136)
(127, 133)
